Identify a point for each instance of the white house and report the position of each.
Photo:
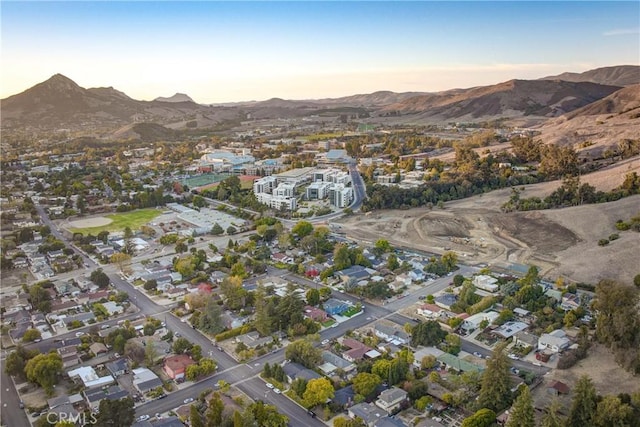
(391, 399)
(486, 283)
(556, 341)
(472, 323)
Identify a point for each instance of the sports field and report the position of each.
(204, 179)
(121, 220)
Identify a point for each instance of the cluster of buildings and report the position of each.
(280, 191)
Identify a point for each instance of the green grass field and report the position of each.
(133, 220)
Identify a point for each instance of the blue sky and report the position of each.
(238, 51)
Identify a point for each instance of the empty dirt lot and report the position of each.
(561, 242)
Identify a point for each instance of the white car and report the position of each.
(143, 417)
(79, 334)
(476, 354)
(512, 356)
(325, 342)
(188, 400)
(277, 391)
(269, 385)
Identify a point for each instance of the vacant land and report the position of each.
(561, 242)
(119, 221)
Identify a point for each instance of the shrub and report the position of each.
(603, 242)
(614, 236)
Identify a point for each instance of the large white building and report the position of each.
(277, 202)
(220, 160)
(340, 196)
(318, 190)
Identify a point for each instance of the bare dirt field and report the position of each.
(561, 242)
(98, 221)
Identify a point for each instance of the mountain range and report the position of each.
(60, 103)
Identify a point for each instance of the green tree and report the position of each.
(618, 321)
(611, 412)
(115, 413)
(262, 414)
(263, 320)
(195, 419)
(428, 334)
(31, 335)
(45, 370)
(214, 413)
(495, 390)
(482, 418)
(584, 404)
(217, 230)
(382, 246)
(40, 298)
(181, 345)
(313, 297)
(303, 352)
(551, 418)
(318, 391)
(522, 412)
(17, 359)
(99, 278)
(341, 256)
(302, 229)
(211, 318)
(150, 353)
(365, 383)
(392, 262)
(449, 259)
(151, 285)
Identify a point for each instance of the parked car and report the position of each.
(277, 391)
(325, 342)
(143, 417)
(269, 385)
(79, 334)
(188, 400)
(476, 354)
(512, 356)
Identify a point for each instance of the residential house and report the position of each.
(389, 422)
(558, 387)
(430, 311)
(391, 333)
(93, 396)
(315, 314)
(334, 362)
(391, 399)
(89, 377)
(69, 355)
(113, 308)
(334, 306)
(145, 380)
(570, 302)
(416, 275)
(357, 350)
(60, 306)
(344, 396)
(352, 275)
(424, 352)
(486, 283)
(509, 329)
(117, 367)
(525, 339)
(556, 341)
(368, 412)
(400, 281)
(472, 323)
(446, 301)
(98, 348)
(253, 339)
(295, 370)
(176, 366)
